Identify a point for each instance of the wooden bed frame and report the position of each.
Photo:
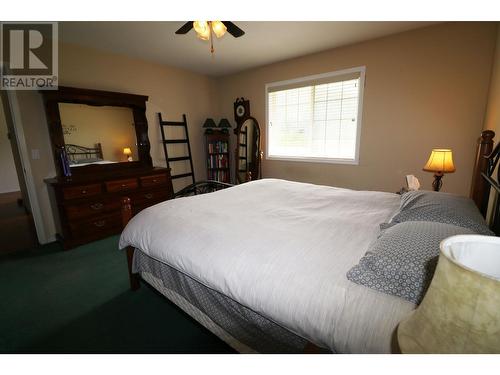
(485, 164)
(483, 180)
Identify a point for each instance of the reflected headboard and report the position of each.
(485, 186)
(78, 153)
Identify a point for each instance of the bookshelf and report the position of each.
(217, 145)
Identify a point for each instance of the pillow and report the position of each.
(442, 208)
(401, 262)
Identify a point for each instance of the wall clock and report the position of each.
(241, 110)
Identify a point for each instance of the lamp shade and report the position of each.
(127, 151)
(202, 29)
(440, 160)
(219, 28)
(224, 123)
(209, 123)
(460, 312)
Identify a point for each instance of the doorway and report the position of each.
(17, 228)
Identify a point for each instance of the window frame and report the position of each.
(311, 78)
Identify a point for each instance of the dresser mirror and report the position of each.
(248, 150)
(98, 131)
(98, 135)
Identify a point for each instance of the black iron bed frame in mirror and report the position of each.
(483, 180)
(78, 154)
(137, 103)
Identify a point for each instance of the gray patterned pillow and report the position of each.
(402, 260)
(442, 208)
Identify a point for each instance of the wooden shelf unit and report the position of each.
(217, 149)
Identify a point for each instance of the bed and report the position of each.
(263, 265)
(80, 156)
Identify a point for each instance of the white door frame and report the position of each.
(15, 112)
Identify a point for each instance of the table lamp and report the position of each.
(440, 162)
(460, 312)
(209, 125)
(128, 153)
(225, 125)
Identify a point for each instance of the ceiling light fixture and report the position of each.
(204, 31)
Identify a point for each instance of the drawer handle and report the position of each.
(84, 191)
(155, 181)
(148, 195)
(100, 223)
(96, 206)
(124, 185)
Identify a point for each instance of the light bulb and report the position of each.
(202, 29)
(219, 28)
(200, 26)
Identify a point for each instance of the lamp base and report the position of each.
(437, 183)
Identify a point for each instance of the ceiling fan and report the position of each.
(204, 30)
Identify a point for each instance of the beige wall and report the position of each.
(492, 120)
(171, 91)
(8, 175)
(424, 89)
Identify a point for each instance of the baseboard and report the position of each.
(10, 191)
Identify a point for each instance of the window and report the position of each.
(316, 118)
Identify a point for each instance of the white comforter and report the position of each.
(282, 249)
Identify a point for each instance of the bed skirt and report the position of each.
(240, 327)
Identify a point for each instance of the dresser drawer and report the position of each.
(91, 207)
(156, 180)
(149, 198)
(81, 191)
(121, 185)
(97, 226)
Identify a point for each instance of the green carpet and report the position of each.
(78, 301)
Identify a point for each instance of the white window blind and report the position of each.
(316, 118)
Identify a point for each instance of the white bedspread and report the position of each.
(93, 162)
(282, 249)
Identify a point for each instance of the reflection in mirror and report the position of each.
(98, 135)
(248, 140)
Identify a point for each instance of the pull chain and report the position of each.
(211, 40)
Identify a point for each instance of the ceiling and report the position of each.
(262, 44)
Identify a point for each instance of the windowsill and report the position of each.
(305, 159)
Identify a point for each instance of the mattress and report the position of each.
(281, 249)
(243, 329)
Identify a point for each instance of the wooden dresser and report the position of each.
(88, 208)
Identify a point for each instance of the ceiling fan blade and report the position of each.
(185, 28)
(233, 29)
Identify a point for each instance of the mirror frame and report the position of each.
(137, 103)
(255, 172)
